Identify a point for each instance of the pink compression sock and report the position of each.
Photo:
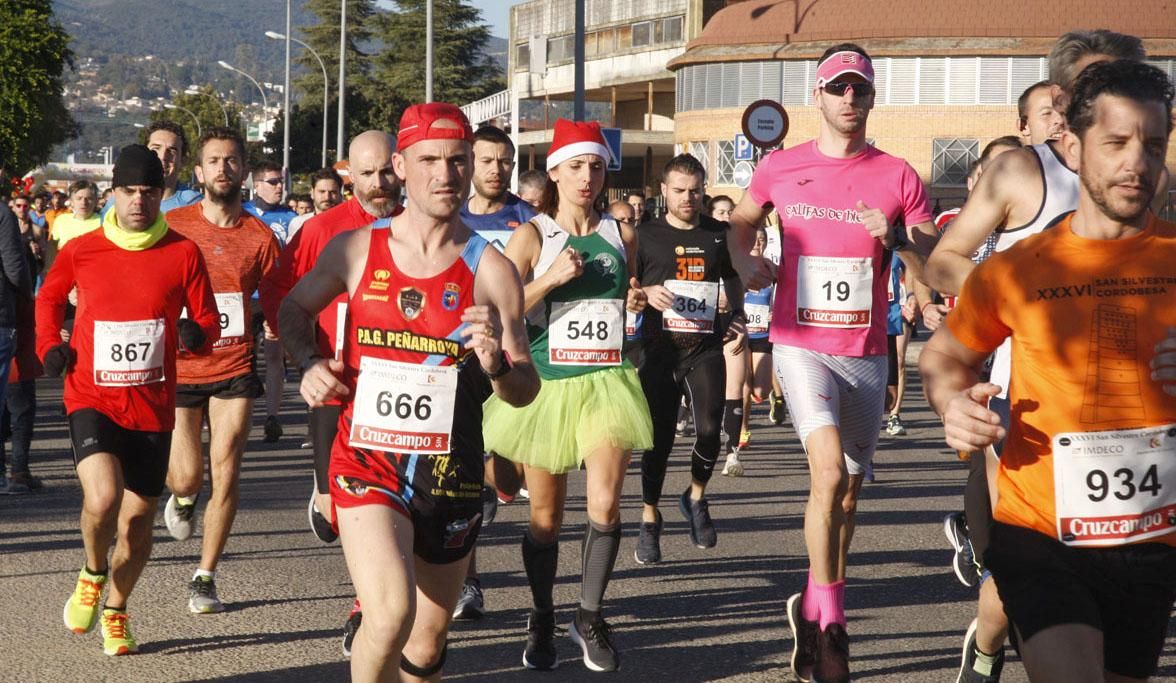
(810, 609)
(830, 603)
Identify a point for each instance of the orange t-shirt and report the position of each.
(1084, 316)
(237, 257)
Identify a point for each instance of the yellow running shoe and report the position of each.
(116, 634)
(744, 439)
(81, 610)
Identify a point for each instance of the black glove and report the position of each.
(191, 336)
(59, 360)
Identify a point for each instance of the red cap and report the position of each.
(573, 138)
(419, 123)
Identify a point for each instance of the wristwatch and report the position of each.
(504, 366)
(901, 243)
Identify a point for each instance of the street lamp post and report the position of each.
(429, 51)
(195, 118)
(286, 106)
(224, 112)
(342, 79)
(326, 84)
(264, 105)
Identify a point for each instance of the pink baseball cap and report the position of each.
(844, 62)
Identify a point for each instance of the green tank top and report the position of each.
(581, 326)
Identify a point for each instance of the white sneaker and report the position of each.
(180, 519)
(733, 468)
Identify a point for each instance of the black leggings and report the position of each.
(664, 381)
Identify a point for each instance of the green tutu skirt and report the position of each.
(570, 419)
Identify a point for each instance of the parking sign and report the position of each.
(744, 150)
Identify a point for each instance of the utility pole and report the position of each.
(339, 154)
(578, 107)
(286, 107)
(429, 51)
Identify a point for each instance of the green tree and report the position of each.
(34, 50)
(462, 72)
(323, 38)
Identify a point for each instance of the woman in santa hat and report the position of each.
(578, 266)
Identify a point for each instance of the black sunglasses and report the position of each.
(838, 88)
(278, 181)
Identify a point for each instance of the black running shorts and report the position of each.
(143, 455)
(197, 395)
(1125, 592)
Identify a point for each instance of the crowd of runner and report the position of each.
(459, 345)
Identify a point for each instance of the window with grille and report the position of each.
(950, 160)
(724, 162)
(522, 57)
(701, 150)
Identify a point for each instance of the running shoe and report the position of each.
(963, 561)
(471, 604)
(733, 468)
(19, 484)
(697, 512)
(81, 610)
(775, 408)
(116, 633)
(744, 439)
(319, 524)
(832, 664)
(595, 642)
(273, 429)
(350, 628)
(489, 505)
(682, 428)
(649, 542)
(180, 519)
(306, 444)
(968, 663)
(202, 597)
(894, 426)
(804, 640)
(540, 653)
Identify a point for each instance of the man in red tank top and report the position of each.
(424, 330)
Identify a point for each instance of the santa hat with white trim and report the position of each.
(573, 138)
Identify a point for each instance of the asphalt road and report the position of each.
(698, 616)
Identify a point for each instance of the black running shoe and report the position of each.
(319, 525)
(697, 512)
(804, 640)
(968, 672)
(351, 628)
(273, 429)
(595, 642)
(963, 562)
(832, 655)
(540, 653)
(649, 542)
(489, 505)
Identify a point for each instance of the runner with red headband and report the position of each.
(432, 314)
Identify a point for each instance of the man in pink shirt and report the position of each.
(843, 205)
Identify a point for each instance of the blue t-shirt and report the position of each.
(896, 296)
(184, 196)
(497, 227)
(277, 219)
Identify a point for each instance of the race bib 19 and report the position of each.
(834, 291)
(128, 354)
(694, 308)
(403, 407)
(1115, 487)
(587, 332)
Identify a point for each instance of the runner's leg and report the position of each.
(229, 423)
(437, 590)
(185, 467)
(377, 543)
(102, 494)
(135, 522)
(605, 480)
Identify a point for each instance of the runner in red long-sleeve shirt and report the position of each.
(376, 195)
(120, 375)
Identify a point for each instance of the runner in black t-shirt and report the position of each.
(680, 259)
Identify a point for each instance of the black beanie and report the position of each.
(137, 165)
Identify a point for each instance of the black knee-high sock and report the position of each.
(541, 562)
(732, 421)
(598, 553)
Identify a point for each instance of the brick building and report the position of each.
(948, 72)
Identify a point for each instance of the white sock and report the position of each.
(185, 500)
(204, 572)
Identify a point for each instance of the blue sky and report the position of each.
(496, 13)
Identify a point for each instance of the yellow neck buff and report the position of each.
(133, 240)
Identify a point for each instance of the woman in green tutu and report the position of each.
(577, 266)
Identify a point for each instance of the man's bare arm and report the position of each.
(951, 381)
(498, 289)
(989, 207)
(756, 272)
